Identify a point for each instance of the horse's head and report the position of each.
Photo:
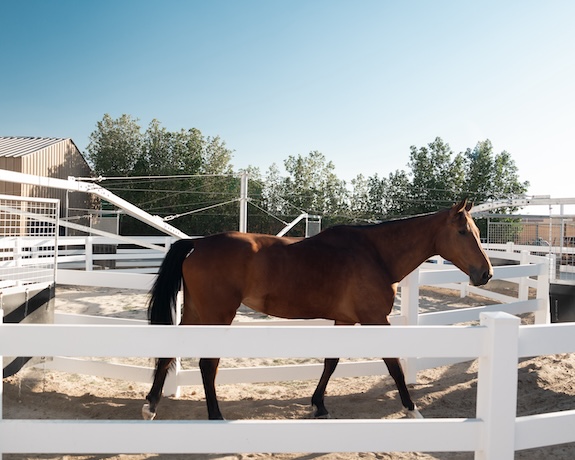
(458, 241)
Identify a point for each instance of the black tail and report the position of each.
(162, 305)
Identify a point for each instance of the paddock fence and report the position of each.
(495, 433)
(133, 263)
(544, 235)
(531, 272)
(498, 342)
(28, 235)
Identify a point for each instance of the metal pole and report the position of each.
(244, 202)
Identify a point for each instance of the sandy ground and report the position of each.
(545, 384)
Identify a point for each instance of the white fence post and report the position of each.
(543, 313)
(89, 253)
(523, 287)
(553, 267)
(510, 247)
(497, 386)
(410, 312)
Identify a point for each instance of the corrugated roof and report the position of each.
(20, 146)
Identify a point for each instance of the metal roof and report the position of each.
(21, 146)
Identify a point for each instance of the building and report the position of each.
(51, 157)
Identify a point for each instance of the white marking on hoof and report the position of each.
(413, 413)
(147, 414)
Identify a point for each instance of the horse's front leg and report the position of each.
(209, 369)
(329, 366)
(396, 372)
(155, 394)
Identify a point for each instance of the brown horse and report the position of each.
(346, 273)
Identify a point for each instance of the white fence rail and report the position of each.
(495, 433)
(430, 274)
(80, 252)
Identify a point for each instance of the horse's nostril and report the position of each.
(479, 278)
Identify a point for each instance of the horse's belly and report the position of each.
(290, 308)
(260, 304)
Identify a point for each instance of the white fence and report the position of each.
(28, 234)
(498, 342)
(495, 432)
(532, 272)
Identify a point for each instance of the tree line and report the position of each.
(188, 178)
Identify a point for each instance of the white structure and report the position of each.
(422, 340)
(495, 433)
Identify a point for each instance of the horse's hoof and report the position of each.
(415, 414)
(323, 415)
(147, 414)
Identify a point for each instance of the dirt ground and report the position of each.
(545, 384)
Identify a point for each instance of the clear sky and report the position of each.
(361, 81)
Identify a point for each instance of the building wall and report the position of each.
(59, 160)
(11, 164)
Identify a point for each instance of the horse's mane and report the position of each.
(389, 221)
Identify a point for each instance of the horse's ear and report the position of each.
(469, 206)
(459, 207)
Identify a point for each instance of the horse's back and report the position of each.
(229, 259)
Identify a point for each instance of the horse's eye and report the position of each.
(463, 232)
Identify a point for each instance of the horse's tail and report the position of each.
(162, 304)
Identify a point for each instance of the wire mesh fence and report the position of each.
(553, 235)
(28, 240)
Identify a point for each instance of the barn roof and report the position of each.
(21, 146)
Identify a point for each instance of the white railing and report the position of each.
(132, 268)
(495, 432)
(408, 314)
(439, 435)
(562, 258)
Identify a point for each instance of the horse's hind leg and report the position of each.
(396, 372)
(329, 366)
(209, 369)
(155, 394)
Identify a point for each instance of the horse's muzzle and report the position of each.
(480, 277)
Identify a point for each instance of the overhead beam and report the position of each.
(536, 200)
(74, 185)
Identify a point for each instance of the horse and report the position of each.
(346, 273)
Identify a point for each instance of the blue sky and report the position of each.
(360, 81)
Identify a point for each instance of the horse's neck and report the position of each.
(405, 244)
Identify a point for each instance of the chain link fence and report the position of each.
(541, 236)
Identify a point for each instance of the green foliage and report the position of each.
(187, 176)
(196, 173)
(437, 179)
(115, 145)
(492, 177)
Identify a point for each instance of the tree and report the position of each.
(115, 146)
(492, 177)
(397, 198)
(437, 180)
(313, 185)
(119, 148)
